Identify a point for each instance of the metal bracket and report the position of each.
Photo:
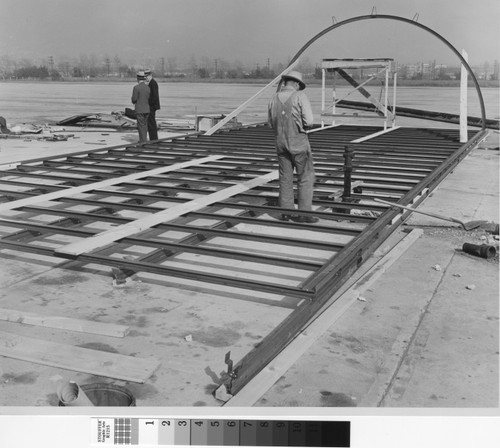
(230, 372)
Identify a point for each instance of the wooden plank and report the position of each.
(333, 310)
(109, 236)
(235, 112)
(63, 323)
(376, 134)
(103, 184)
(323, 128)
(363, 91)
(69, 357)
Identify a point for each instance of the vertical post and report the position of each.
(463, 100)
(323, 84)
(334, 95)
(348, 156)
(386, 94)
(394, 99)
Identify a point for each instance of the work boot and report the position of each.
(306, 219)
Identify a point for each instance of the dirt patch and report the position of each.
(132, 319)
(336, 399)
(141, 391)
(156, 309)
(23, 378)
(62, 280)
(350, 342)
(216, 337)
(199, 403)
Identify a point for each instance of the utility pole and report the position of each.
(107, 61)
(51, 64)
(162, 60)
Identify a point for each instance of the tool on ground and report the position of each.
(466, 225)
(480, 250)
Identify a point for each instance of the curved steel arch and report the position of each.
(412, 22)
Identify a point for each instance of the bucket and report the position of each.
(480, 250)
(102, 394)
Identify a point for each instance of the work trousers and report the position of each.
(302, 162)
(142, 127)
(152, 127)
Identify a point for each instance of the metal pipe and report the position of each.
(411, 22)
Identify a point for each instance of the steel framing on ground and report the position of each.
(237, 241)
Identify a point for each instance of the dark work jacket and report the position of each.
(154, 97)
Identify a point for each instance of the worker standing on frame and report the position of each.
(290, 115)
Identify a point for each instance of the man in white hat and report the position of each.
(290, 115)
(140, 98)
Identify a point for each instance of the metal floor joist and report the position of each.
(226, 230)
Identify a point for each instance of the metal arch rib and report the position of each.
(411, 22)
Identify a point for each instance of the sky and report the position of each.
(250, 31)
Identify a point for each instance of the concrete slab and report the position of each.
(422, 338)
(469, 193)
(453, 360)
(361, 358)
(394, 349)
(189, 332)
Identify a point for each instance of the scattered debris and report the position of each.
(24, 128)
(457, 275)
(471, 287)
(188, 338)
(361, 298)
(436, 267)
(56, 378)
(369, 213)
(491, 227)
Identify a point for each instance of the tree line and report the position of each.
(206, 68)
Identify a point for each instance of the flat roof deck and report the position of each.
(191, 257)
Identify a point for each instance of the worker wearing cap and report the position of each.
(290, 115)
(154, 104)
(140, 98)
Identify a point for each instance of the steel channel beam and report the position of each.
(212, 231)
(251, 285)
(52, 229)
(226, 204)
